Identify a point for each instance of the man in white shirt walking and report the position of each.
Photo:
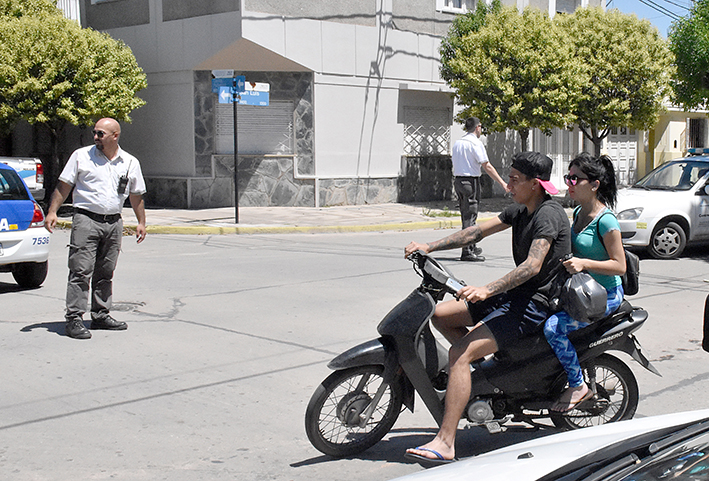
(102, 176)
(469, 160)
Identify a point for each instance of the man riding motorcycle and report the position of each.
(508, 308)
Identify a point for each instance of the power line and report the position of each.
(660, 8)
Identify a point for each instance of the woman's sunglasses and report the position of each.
(573, 179)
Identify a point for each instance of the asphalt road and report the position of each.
(229, 336)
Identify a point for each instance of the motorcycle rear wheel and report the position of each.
(616, 399)
(332, 419)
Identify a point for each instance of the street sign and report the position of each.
(221, 82)
(228, 82)
(254, 94)
(223, 73)
(240, 83)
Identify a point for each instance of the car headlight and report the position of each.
(630, 214)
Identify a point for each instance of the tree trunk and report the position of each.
(524, 136)
(52, 165)
(597, 146)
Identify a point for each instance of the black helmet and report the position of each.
(583, 298)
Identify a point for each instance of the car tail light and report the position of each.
(37, 217)
(40, 173)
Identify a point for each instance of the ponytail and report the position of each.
(600, 169)
(608, 190)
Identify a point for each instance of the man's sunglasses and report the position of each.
(573, 179)
(99, 133)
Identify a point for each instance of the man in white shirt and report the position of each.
(103, 176)
(469, 160)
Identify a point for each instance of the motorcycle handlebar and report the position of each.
(433, 269)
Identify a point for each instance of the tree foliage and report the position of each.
(624, 69)
(689, 41)
(53, 73)
(461, 26)
(514, 72)
(20, 8)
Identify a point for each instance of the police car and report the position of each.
(667, 208)
(24, 241)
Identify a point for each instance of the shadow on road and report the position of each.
(470, 442)
(56, 327)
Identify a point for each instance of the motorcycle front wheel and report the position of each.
(616, 395)
(338, 420)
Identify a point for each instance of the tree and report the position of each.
(20, 8)
(689, 41)
(624, 69)
(53, 72)
(513, 72)
(461, 26)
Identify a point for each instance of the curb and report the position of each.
(289, 229)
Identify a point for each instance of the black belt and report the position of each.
(467, 176)
(107, 218)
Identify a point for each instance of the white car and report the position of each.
(667, 208)
(668, 447)
(24, 241)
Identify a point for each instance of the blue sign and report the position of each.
(217, 83)
(221, 82)
(240, 83)
(248, 97)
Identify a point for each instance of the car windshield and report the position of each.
(11, 186)
(680, 453)
(676, 175)
(685, 461)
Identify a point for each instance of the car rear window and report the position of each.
(11, 186)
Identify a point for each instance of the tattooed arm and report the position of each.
(461, 238)
(518, 276)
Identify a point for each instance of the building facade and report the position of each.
(357, 111)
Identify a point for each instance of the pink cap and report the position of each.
(548, 186)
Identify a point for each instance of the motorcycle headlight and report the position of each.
(630, 214)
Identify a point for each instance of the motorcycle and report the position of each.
(357, 405)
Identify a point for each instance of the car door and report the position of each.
(699, 210)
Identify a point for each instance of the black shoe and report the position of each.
(75, 328)
(472, 258)
(108, 324)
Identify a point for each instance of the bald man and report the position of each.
(103, 176)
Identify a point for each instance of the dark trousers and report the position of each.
(93, 253)
(468, 191)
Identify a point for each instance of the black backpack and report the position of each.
(631, 278)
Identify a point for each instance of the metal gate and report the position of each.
(622, 147)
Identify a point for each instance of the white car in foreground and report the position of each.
(667, 447)
(667, 208)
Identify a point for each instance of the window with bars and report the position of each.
(261, 130)
(427, 131)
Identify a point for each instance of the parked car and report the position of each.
(667, 208)
(24, 241)
(31, 171)
(670, 446)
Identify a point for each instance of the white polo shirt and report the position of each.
(468, 155)
(95, 179)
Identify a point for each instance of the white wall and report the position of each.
(356, 129)
(180, 44)
(162, 136)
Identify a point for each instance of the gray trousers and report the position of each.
(468, 191)
(93, 254)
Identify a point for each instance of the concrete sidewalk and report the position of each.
(282, 220)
